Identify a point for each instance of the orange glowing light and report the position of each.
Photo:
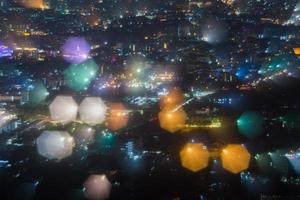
(297, 51)
(117, 116)
(235, 158)
(174, 98)
(172, 120)
(92, 20)
(194, 156)
(38, 4)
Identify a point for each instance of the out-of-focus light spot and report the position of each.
(97, 187)
(297, 51)
(93, 20)
(79, 76)
(243, 71)
(136, 65)
(92, 110)
(171, 120)
(37, 4)
(84, 135)
(250, 124)
(264, 163)
(235, 158)
(63, 109)
(76, 50)
(292, 121)
(279, 162)
(117, 116)
(175, 97)
(214, 31)
(38, 93)
(194, 156)
(55, 144)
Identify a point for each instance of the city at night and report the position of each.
(149, 99)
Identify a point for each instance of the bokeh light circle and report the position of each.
(194, 156)
(97, 187)
(76, 50)
(63, 109)
(55, 144)
(92, 110)
(235, 158)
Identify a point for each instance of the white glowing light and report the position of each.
(97, 187)
(63, 109)
(214, 31)
(92, 110)
(55, 144)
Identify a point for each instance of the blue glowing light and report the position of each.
(5, 51)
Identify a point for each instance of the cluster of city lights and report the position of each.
(5, 117)
(235, 158)
(106, 107)
(172, 117)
